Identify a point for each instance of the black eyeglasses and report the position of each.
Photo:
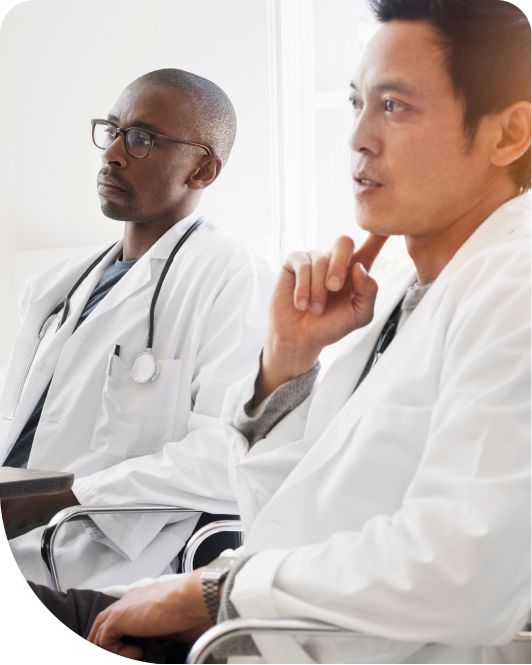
(139, 142)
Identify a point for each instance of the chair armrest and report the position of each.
(237, 627)
(523, 635)
(208, 530)
(63, 516)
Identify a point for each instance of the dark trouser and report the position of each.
(78, 609)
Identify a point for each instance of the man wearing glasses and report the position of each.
(392, 499)
(87, 404)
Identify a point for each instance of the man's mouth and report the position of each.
(108, 185)
(365, 185)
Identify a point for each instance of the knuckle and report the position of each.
(295, 259)
(302, 273)
(322, 260)
(319, 293)
(300, 257)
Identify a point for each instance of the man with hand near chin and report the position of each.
(393, 498)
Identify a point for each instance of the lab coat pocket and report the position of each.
(136, 419)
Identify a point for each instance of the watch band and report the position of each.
(210, 590)
(211, 579)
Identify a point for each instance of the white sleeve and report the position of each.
(278, 453)
(24, 300)
(193, 472)
(453, 564)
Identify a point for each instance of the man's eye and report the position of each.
(356, 103)
(393, 107)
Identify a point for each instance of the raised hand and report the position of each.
(319, 298)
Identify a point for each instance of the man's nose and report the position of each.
(365, 136)
(116, 154)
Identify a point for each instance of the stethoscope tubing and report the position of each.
(162, 276)
(65, 306)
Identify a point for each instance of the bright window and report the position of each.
(319, 46)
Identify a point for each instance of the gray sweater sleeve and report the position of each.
(236, 646)
(255, 422)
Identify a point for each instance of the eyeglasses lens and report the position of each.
(104, 135)
(138, 142)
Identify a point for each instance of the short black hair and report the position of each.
(214, 114)
(489, 55)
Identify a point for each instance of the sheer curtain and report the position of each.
(319, 45)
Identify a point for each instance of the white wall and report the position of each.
(63, 62)
(286, 65)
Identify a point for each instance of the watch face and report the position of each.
(220, 566)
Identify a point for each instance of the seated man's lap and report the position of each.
(78, 608)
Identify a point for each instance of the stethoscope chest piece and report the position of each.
(145, 368)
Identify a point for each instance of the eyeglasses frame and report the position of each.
(152, 135)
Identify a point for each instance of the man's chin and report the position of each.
(115, 212)
(378, 222)
(377, 226)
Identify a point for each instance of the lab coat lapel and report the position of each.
(340, 421)
(340, 381)
(337, 432)
(139, 275)
(145, 271)
(52, 345)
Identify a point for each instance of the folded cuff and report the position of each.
(255, 423)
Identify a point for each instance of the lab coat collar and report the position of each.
(45, 296)
(145, 270)
(339, 383)
(342, 377)
(332, 397)
(164, 246)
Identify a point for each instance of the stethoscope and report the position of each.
(145, 367)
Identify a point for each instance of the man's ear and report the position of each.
(206, 173)
(513, 134)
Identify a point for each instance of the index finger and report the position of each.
(369, 251)
(339, 263)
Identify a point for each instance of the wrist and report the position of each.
(282, 362)
(194, 593)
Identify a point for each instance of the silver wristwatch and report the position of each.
(211, 578)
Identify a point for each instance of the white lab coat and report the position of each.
(403, 510)
(158, 443)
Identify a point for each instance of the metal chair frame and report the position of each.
(50, 532)
(227, 629)
(208, 530)
(305, 628)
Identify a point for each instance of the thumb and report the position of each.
(365, 291)
(364, 285)
(369, 251)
